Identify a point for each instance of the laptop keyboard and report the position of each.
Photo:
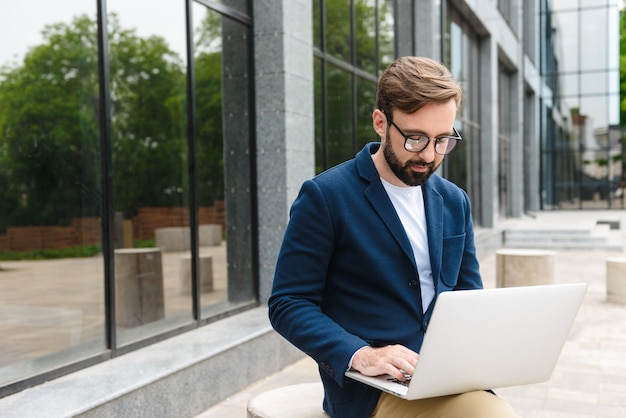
(406, 382)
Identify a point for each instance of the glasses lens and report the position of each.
(416, 144)
(445, 145)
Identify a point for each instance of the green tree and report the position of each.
(148, 121)
(49, 137)
(48, 129)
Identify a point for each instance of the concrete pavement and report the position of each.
(590, 378)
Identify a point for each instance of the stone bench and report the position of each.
(139, 295)
(524, 267)
(296, 401)
(178, 238)
(616, 280)
(205, 273)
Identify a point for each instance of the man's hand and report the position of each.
(394, 360)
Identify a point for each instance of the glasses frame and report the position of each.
(410, 143)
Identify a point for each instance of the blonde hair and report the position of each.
(409, 83)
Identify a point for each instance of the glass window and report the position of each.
(345, 86)
(222, 107)
(338, 29)
(584, 168)
(505, 86)
(317, 24)
(150, 174)
(239, 5)
(386, 28)
(320, 117)
(366, 103)
(339, 93)
(366, 22)
(51, 265)
(164, 181)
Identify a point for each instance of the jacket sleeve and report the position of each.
(298, 288)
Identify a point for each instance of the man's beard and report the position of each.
(404, 172)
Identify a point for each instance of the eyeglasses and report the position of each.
(418, 142)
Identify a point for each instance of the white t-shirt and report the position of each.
(409, 204)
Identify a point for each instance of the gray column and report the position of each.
(427, 33)
(284, 119)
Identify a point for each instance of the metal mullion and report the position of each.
(106, 177)
(254, 201)
(345, 66)
(353, 78)
(324, 85)
(192, 163)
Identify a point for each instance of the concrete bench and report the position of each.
(139, 295)
(210, 234)
(205, 273)
(178, 238)
(616, 280)
(302, 401)
(524, 267)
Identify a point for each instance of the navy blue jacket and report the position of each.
(346, 276)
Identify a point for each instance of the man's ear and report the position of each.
(379, 121)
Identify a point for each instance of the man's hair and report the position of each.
(409, 83)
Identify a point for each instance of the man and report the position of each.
(372, 242)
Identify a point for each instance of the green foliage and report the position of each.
(145, 243)
(73, 252)
(48, 129)
(209, 127)
(49, 124)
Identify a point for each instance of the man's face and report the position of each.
(433, 120)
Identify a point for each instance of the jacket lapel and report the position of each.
(433, 206)
(377, 197)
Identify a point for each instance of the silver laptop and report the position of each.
(488, 339)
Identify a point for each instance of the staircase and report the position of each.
(564, 233)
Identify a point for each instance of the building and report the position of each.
(150, 151)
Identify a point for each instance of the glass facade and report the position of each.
(50, 206)
(353, 44)
(125, 159)
(582, 151)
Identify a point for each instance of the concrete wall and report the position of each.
(284, 119)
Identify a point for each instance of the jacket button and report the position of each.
(413, 284)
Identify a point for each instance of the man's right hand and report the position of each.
(395, 360)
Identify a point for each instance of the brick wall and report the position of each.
(86, 231)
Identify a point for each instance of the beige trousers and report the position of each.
(479, 404)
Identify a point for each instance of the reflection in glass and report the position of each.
(222, 104)
(208, 58)
(345, 92)
(150, 184)
(366, 103)
(320, 159)
(582, 167)
(339, 116)
(317, 24)
(338, 31)
(366, 25)
(51, 269)
(386, 23)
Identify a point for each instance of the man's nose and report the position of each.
(428, 153)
